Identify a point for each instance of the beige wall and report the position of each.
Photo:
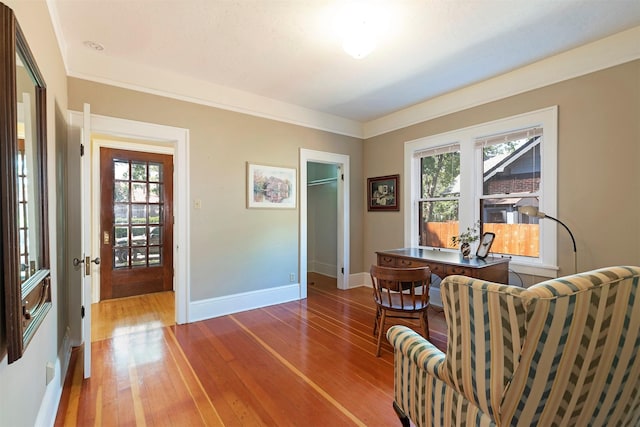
(233, 249)
(22, 384)
(598, 155)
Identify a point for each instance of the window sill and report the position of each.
(547, 271)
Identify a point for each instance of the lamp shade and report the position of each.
(531, 211)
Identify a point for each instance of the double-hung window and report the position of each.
(484, 174)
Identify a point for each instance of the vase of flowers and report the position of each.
(466, 238)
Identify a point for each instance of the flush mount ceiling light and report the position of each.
(94, 45)
(361, 24)
(360, 42)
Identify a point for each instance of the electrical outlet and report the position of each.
(292, 277)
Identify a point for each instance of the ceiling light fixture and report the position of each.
(361, 23)
(94, 45)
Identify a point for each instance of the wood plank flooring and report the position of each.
(307, 362)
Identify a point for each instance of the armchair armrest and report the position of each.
(418, 350)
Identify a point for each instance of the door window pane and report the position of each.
(122, 236)
(138, 214)
(121, 170)
(121, 214)
(121, 192)
(154, 256)
(155, 235)
(155, 172)
(139, 257)
(120, 257)
(154, 214)
(138, 192)
(138, 236)
(138, 171)
(155, 192)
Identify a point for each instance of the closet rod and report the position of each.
(321, 181)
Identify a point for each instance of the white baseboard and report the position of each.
(325, 269)
(357, 280)
(216, 307)
(53, 393)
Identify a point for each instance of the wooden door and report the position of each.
(136, 236)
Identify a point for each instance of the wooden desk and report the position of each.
(445, 263)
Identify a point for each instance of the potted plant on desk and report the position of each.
(466, 238)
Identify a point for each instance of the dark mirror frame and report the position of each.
(25, 305)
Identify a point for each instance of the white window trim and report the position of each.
(547, 118)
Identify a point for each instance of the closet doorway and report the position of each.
(324, 217)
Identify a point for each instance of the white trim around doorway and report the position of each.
(343, 252)
(151, 137)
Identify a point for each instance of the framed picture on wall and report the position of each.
(271, 187)
(382, 193)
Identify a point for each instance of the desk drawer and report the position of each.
(386, 261)
(437, 269)
(454, 269)
(410, 263)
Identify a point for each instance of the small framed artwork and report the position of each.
(271, 187)
(485, 244)
(383, 194)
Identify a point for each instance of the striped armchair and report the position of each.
(564, 352)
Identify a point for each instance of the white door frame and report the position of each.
(342, 160)
(153, 135)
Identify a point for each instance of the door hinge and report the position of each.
(342, 176)
(342, 270)
(81, 150)
(82, 312)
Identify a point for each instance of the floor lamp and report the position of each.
(533, 211)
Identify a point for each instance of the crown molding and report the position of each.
(604, 53)
(133, 76)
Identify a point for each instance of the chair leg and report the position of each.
(403, 418)
(424, 322)
(380, 331)
(375, 322)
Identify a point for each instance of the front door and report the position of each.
(136, 223)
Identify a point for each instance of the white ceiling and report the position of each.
(289, 52)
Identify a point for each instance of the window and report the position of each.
(485, 173)
(439, 195)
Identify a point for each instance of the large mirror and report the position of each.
(25, 255)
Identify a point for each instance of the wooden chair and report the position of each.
(403, 291)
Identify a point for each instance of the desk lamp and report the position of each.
(533, 211)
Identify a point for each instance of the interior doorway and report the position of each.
(87, 133)
(339, 163)
(322, 218)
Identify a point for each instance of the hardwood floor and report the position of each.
(121, 316)
(307, 362)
